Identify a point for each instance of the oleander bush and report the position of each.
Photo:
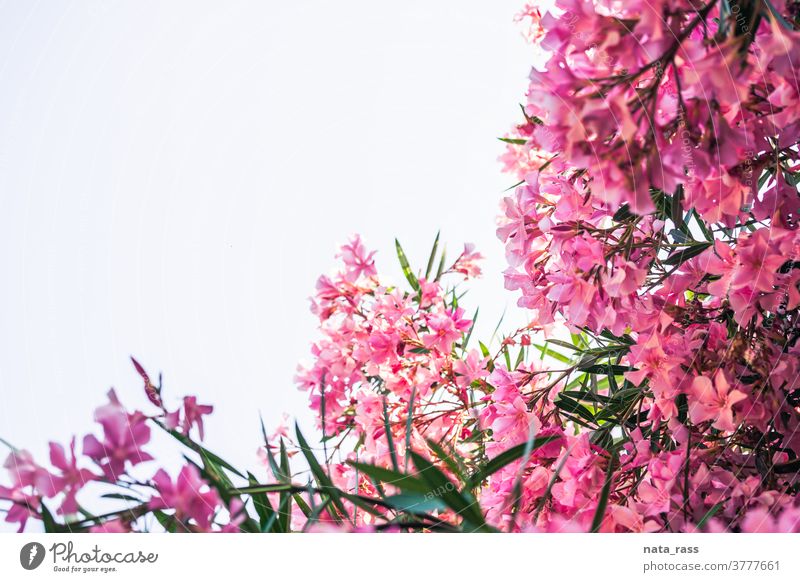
(651, 238)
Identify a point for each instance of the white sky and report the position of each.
(175, 176)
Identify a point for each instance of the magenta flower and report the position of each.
(758, 263)
(445, 329)
(714, 401)
(193, 415)
(23, 506)
(124, 435)
(71, 479)
(468, 263)
(189, 495)
(112, 526)
(358, 262)
(25, 472)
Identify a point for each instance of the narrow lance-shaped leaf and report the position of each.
(387, 427)
(600, 512)
(441, 486)
(406, 267)
(321, 477)
(409, 425)
(508, 456)
(402, 481)
(683, 255)
(432, 257)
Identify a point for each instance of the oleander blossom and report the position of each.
(119, 465)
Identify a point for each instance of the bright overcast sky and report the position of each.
(176, 175)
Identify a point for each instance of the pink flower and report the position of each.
(470, 368)
(758, 263)
(513, 421)
(652, 362)
(468, 262)
(193, 415)
(714, 401)
(358, 262)
(445, 329)
(23, 506)
(152, 392)
(25, 472)
(124, 435)
(722, 263)
(383, 347)
(189, 495)
(573, 292)
(72, 478)
(760, 520)
(624, 279)
(111, 526)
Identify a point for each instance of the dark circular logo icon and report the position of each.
(31, 555)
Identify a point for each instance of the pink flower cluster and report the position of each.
(655, 220)
(657, 213)
(391, 359)
(665, 94)
(111, 462)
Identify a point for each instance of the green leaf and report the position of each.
(604, 493)
(573, 406)
(506, 457)
(321, 477)
(677, 211)
(273, 465)
(683, 255)
(316, 512)
(410, 277)
(530, 118)
(604, 369)
(441, 486)
(9, 445)
(168, 522)
(213, 468)
(446, 458)
(778, 16)
(440, 268)
(409, 424)
(432, 257)
(564, 344)
(587, 396)
(709, 514)
(301, 503)
(50, 524)
(545, 351)
(415, 502)
(520, 357)
(623, 214)
(521, 182)
(513, 140)
(255, 488)
(402, 481)
(122, 497)
(469, 333)
(389, 438)
(285, 500)
(264, 510)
